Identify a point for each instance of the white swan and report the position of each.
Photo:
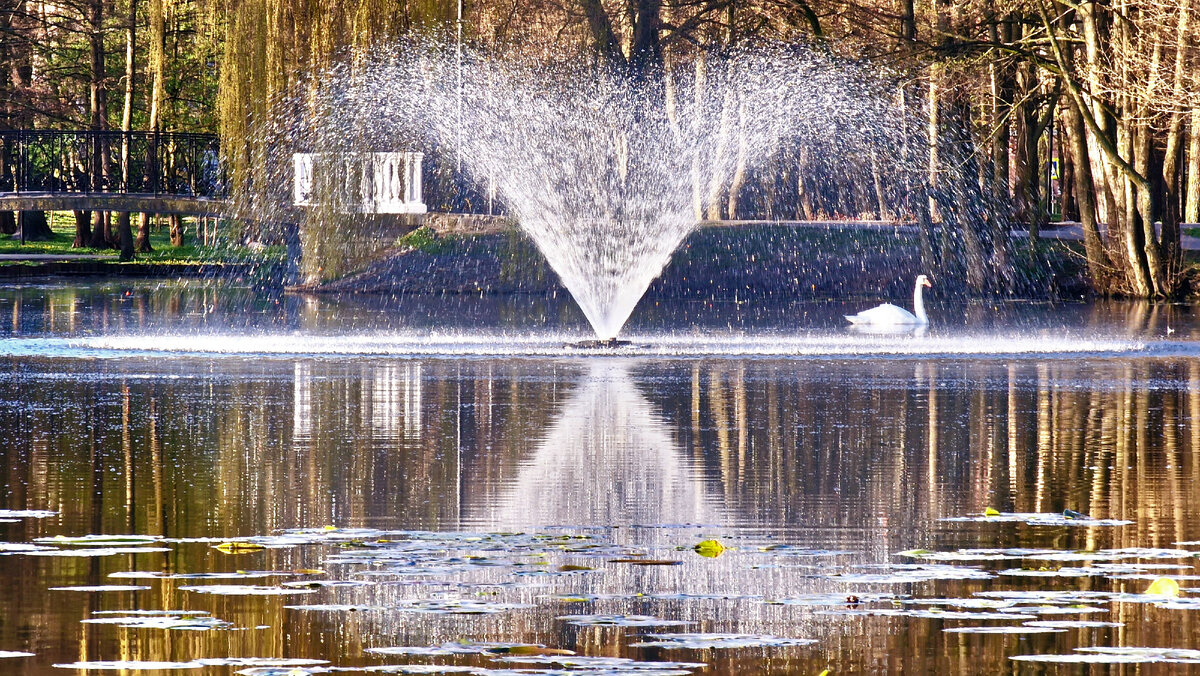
(893, 315)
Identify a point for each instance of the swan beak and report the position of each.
(926, 282)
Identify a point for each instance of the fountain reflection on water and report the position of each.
(607, 460)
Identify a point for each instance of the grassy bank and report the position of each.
(712, 263)
(222, 250)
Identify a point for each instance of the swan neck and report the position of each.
(919, 303)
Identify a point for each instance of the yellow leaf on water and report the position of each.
(991, 512)
(238, 547)
(1163, 586)
(709, 549)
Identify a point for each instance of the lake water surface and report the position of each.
(394, 484)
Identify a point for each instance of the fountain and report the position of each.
(606, 173)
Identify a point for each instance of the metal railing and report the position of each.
(135, 162)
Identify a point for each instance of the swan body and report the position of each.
(894, 315)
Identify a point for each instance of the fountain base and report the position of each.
(597, 344)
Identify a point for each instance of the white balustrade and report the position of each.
(370, 183)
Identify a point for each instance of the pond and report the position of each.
(200, 479)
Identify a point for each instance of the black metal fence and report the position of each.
(135, 162)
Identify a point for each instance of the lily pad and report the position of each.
(620, 621)
(1037, 519)
(260, 662)
(1123, 655)
(150, 612)
(817, 600)
(315, 584)
(243, 590)
(1073, 624)
(1053, 572)
(102, 588)
(92, 551)
(6, 547)
(975, 554)
(99, 540)
(229, 575)
(461, 607)
(590, 663)
(198, 623)
(903, 573)
(130, 665)
(931, 614)
(26, 513)
(1018, 629)
(338, 608)
(719, 641)
(453, 648)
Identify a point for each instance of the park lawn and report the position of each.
(63, 225)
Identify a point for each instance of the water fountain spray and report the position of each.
(605, 172)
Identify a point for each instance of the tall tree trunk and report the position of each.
(1191, 212)
(97, 109)
(739, 169)
(99, 239)
(963, 217)
(125, 234)
(176, 230)
(605, 38)
(646, 51)
(998, 198)
(156, 68)
(698, 93)
(8, 223)
(1099, 265)
(19, 69)
(142, 243)
(1172, 249)
(83, 229)
(32, 226)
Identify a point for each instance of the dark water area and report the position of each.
(464, 477)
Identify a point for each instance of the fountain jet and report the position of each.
(606, 173)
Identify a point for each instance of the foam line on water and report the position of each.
(813, 345)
